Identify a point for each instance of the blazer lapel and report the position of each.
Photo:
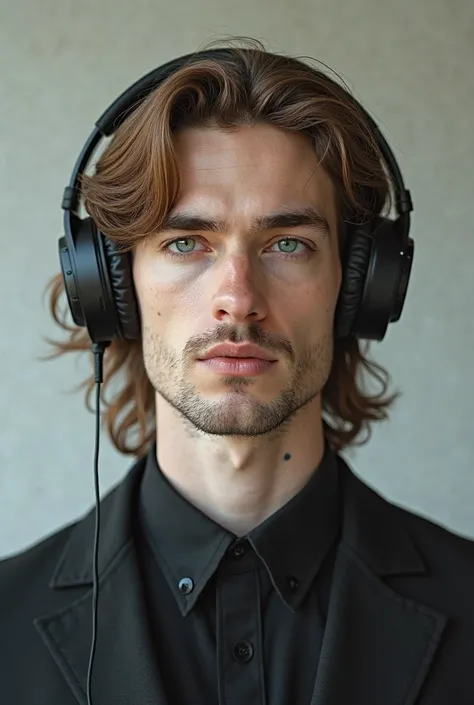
(378, 645)
(124, 661)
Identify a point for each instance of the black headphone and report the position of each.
(98, 277)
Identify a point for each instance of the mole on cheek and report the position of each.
(287, 456)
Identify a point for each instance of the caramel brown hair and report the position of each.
(136, 181)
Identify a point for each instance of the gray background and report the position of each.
(410, 63)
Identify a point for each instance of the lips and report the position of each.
(238, 366)
(238, 351)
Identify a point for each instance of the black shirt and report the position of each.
(238, 621)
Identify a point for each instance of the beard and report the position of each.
(237, 409)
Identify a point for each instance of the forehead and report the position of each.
(259, 165)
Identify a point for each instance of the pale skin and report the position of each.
(240, 448)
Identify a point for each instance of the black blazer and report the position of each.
(400, 627)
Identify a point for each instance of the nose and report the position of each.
(238, 290)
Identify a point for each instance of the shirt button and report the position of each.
(238, 550)
(293, 584)
(242, 651)
(185, 586)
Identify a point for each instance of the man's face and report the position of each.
(240, 283)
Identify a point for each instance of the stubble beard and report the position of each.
(237, 412)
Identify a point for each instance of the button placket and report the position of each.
(239, 640)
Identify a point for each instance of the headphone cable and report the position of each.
(98, 349)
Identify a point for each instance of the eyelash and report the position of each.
(181, 255)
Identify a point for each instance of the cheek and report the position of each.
(327, 291)
(317, 298)
(162, 303)
(149, 301)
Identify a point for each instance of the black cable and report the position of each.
(98, 350)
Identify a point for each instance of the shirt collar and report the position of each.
(292, 543)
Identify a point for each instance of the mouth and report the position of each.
(238, 366)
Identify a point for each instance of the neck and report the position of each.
(239, 481)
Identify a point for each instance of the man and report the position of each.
(240, 560)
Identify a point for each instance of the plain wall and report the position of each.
(410, 63)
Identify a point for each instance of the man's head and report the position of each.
(210, 167)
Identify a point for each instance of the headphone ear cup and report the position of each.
(119, 266)
(354, 276)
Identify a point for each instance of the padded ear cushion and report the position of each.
(354, 274)
(121, 281)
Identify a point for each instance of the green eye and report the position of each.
(290, 242)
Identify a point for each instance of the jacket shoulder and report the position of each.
(426, 532)
(33, 564)
(26, 576)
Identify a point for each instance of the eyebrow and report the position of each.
(307, 217)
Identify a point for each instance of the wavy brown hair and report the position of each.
(136, 181)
